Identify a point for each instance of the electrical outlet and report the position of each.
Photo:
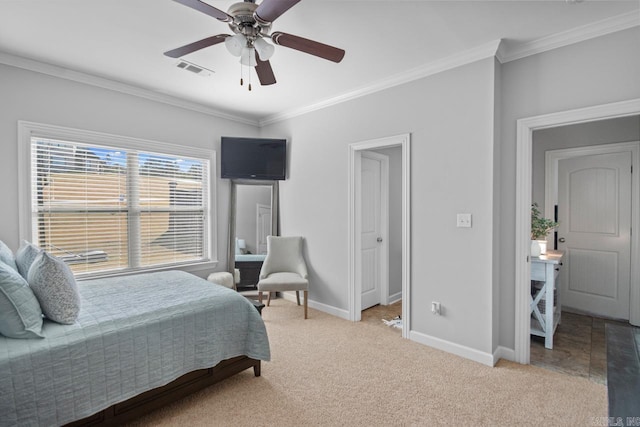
(435, 308)
(464, 220)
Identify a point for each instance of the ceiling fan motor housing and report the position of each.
(246, 22)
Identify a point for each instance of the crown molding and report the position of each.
(495, 48)
(89, 79)
(575, 35)
(484, 51)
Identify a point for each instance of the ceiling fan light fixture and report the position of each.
(264, 49)
(235, 44)
(248, 57)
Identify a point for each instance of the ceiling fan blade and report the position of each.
(270, 10)
(207, 9)
(308, 46)
(265, 72)
(192, 47)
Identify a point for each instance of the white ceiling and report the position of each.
(123, 41)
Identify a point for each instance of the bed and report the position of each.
(137, 340)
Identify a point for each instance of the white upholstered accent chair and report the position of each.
(284, 269)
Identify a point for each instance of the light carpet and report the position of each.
(329, 371)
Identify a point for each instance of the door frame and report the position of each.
(552, 160)
(354, 225)
(524, 141)
(383, 289)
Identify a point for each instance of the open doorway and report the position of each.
(392, 240)
(581, 177)
(381, 199)
(524, 166)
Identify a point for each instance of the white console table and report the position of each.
(545, 302)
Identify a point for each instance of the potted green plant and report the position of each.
(540, 227)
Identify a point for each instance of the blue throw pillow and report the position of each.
(55, 288)
(20, 314)
(25, 256)
(6, 255)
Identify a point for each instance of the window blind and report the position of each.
(104, 209)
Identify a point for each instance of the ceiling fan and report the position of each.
(251, 25)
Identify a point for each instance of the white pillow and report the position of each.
(55, 288)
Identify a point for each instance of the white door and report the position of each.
(372, 217)
(594, 211)
(263, 227)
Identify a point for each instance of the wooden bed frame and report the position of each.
(153, 399)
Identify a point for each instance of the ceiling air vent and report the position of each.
(195, 69)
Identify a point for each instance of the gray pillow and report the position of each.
(6, 255)
(55, 287)
(25, 256)
(20, 314)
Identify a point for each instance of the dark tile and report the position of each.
(579, 348)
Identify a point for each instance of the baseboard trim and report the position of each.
(334, 311)
(504, 353)
(395, 297)
(450, 347)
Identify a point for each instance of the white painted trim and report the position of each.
(524, 135)
(456, 60)
(395, 298)
(574, 35)
(453, 348)
(27, 130)
(384, 223)
(325, 308)
(503, 353)
(355, 288)
(552, 159)
(104, 83)
(494, 48)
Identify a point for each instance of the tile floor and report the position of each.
(579, 346)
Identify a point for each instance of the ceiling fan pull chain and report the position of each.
(249, 80)
(241, 79)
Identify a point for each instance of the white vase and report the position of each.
(535, 248)
(543, 246)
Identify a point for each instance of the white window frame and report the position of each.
(28, 130)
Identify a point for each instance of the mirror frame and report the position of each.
(231, 248)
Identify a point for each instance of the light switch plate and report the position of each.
(464, 220)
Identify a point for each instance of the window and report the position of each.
(107, 204)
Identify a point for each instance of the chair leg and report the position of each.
(306, 298)
(260, 297)
(298, 297)
(269, 299)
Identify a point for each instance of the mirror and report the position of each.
(253, 215)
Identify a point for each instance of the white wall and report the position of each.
(622, 129)
(594, 72)
(450, 119)
(35, 97)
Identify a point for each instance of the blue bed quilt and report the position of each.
(134, 333)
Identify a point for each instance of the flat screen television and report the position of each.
(253, 158)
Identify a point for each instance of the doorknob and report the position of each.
(561, 240)
(379, 239)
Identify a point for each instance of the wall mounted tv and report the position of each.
(253, 158)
